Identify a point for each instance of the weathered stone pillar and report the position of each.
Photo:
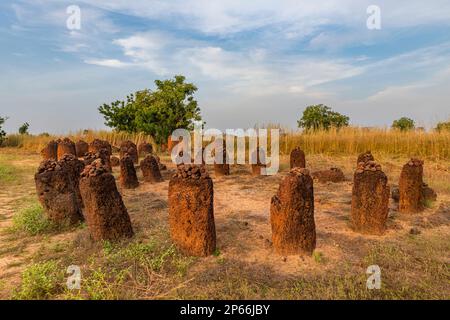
(150, 169)
(292, 214)
(57, 193)
(410, 187)
(50, 151)
(297, 158)
(144, 149)
(128, 178)
(365, 157)
(191, 211)
(370, 199)
(81, 147)
(66, 146)
(128, 147)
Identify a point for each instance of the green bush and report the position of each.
(40, 281)
(443, 126)
(322, 117)
(404, 124)
(32, 220)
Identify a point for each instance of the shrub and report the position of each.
(40, 281)
(322, 117)
(32, 220)
(403, 124)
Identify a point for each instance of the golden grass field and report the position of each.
(34, 255)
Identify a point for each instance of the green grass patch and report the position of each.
(8, 174)
(32, 221)
(40, 281)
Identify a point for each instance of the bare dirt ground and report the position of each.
(244, 266)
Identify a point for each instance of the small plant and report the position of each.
(32, 220)
(318, 256)
(216, 252)
(40, 281)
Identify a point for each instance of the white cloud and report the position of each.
(112, 63)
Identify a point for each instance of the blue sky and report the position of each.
(254, 61)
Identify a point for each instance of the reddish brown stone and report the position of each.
(115, 161)
(370, 199)
(191, 211)
(256, 167)
(57, 194)
(102, 154)
(297, 158)
(332, 175)
(97, 145)
(144, 149)
(81, 147)
(161, 165)
(150, 169)
(66, 146)
(292, 215)
(365, 157)
(128, 178)
(50, 151)
(410, 187)
(74, 167)
(222, 169)
(106, 215)
(128, 147)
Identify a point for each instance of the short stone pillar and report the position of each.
(128, 178)
(102, 154)
(191, 211)
(144, 149)
(222, 169)
(370, 199)
(81, 148)
(106, 215)
(128, 147)
(150, 169)
(66, 146)
(410, 187)
(332, 175)
(74, 167)
(256, 167)
(50, 151)
(97, 145)
(57, 193)
(292, 215)
(365, 157)
(297, 158)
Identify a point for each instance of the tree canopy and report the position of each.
(157, 113)
(23, 129)
(403, 124)
(322, 117)
(2, 132)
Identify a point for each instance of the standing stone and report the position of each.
(128, 147)
(74, 167)
(102, 154)
(332, 175)
(128, 178)
(410, 187)
(106, 215)
(222, 169)
(144, 149)
(292, 214)
(161, 165)
(191, 211)
(150, 169)
(50, 151)
(115, 161)
(365, 157)
(256, 167)
(297, 158)
(370, 199)
(66, 146)
(81, 147)
(97, 145)
(57, 194)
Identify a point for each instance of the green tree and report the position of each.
(157, 113)
(321, 117)
(403, 124)
(2, 132)
(23, 129)
(443, 126)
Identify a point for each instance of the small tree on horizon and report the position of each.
(23, 129)
(2, 132)
(319, 116)
(443, 126)
(157, 113)
(404, 124)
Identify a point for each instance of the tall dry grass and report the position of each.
(431, 145)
